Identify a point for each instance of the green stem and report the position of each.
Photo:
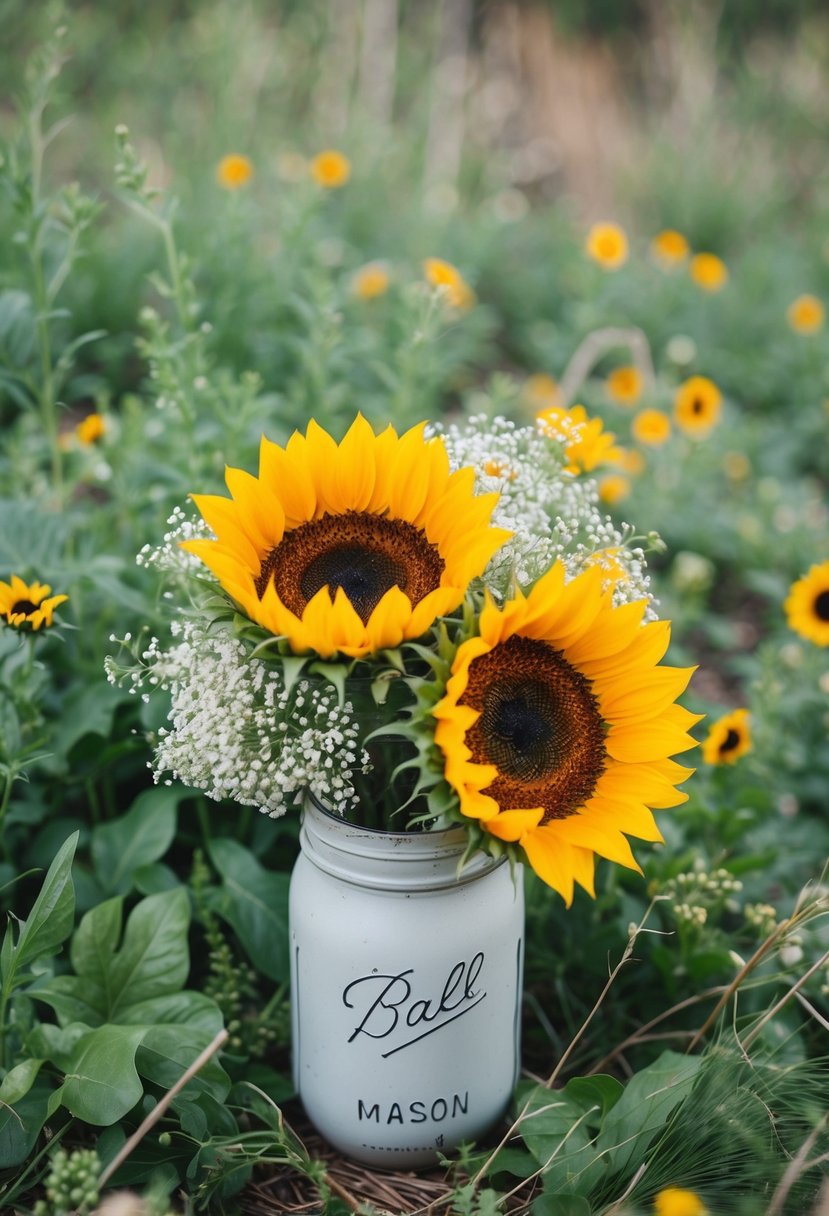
(174, 267)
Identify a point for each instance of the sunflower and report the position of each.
(349, 547)
(458, 293)
(371, 281)
(807, 605)
(28, 605)
(728, 739)
(557, 726)
(697, 405)
(90, 429)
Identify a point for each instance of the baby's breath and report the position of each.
(237, 732)
(551, 512)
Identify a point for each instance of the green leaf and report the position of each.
(154, 959)
(166, 1052)
(184, 1008)
(254, 902)
(51, 919)
(93, 947)
(550, 1204)
(558, 1129)
(102, 1083)
(18, 1081)
(143, 835)
(20, 1126)
(30, 540)
(649, 1099)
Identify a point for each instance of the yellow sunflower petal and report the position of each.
(513, 825)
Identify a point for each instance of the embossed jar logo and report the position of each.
(391, 1007)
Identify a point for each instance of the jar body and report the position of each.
(406, 989)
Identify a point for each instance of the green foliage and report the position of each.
(192, 319)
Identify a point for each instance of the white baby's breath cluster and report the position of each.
(552, 513)
(168, 556)
(238, 732)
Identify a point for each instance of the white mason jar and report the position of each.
(406, 988)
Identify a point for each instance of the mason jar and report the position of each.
(406, 988)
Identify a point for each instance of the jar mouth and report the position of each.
(412, 833)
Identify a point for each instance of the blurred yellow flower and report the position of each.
(541, 391)
(28, 605)
(624, 385)
(613, 488)
(607, 244)
(697, 405)
(669, 247)
(234, 171)
(651, 427)
(807, 605)
(737, 466)
(456, 289)
(90, 429)
(708, 271)
(586, 442)
(805, 314)
(728, 739)
(370, 281)
(673, 1201)
(631, 460)
(330, 169)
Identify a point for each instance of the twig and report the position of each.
(588, 353)
(785, 998)
(158, 1110)
(759, 954)
(628, 1191)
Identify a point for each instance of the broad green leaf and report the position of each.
(140, 837)
(157, 876)
(184, 1008)
(644, 1108)
(550, 1204)
(166, 1052)
(73, 999)
(55, 1043)
(254, 902)
(51, 919)
(600, 1090)
(20, 1126)
(102, 1083)
(558, 1129)
(93, 946)
(154, 958)
(30, 539)
(18, 1081)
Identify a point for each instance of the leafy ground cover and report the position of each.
(159, 316)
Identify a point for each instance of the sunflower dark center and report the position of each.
(730, 741)
(540, 726)
(697, 405)
(364, 555)
(822, 606)
(24, 606)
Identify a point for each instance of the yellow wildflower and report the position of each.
(90, 429)
(457, 291)
(708, 271)
(669, 248)
(370, 281)
(673, 1201)
(330, 169)
(624, 385)
(607, 244)
(651, 427)
(805, 314)
(613, 488)
(542, 391)
(234, 171)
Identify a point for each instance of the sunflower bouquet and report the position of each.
(423, 629)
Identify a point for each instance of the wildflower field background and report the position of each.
(219, 219)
